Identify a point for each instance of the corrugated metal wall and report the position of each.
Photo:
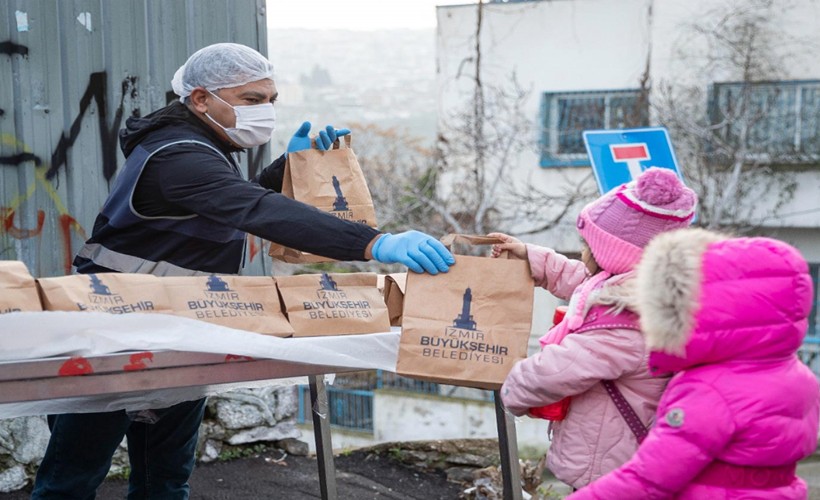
(71, 72)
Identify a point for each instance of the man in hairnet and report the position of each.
(180, 206)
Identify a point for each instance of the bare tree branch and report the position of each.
(731, 150)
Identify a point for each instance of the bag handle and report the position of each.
(337, 144)
(449, 240)
(468, 239)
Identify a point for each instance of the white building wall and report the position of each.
(585, 45)
(555, 46)
(401, 416)
(798, 45)
(404, 416)
(672, 21)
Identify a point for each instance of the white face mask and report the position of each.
(254, 124)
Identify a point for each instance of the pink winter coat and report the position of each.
(743, 409)
(594, 438)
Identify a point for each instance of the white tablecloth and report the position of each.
(29, 336)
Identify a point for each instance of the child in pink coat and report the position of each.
(597, 355)
(728, 315)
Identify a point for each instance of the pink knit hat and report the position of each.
(619, 224)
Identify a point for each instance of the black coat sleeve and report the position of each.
(271, 177)
(194, 179)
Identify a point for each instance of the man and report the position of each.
(180, 206)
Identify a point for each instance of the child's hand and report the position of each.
(512, 245)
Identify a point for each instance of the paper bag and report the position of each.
(113, 293)
(243, 302)
(394, 286)
(333, 304)
(470, 325)
(331, 181)
(18, 292)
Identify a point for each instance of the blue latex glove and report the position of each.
(418, 251)
(301, 139)
(328, 136)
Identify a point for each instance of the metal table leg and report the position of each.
(508, 447)
(321, 433)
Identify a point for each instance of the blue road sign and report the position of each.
(619, 156)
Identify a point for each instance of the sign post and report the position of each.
(619, 156)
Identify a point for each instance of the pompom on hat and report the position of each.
(619, 224)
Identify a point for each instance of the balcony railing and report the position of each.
(350, 398)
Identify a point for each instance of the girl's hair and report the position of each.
(590, 257)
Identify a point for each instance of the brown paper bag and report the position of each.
(333, 304)
(113, 293)
(394, 286)
(18, 292)
(243, 302)
(331, 181)
(470, 325)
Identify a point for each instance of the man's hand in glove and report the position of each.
(301, 139)
(418, 251)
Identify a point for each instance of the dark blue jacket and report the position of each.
(180, 206)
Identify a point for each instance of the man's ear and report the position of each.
(198, 99)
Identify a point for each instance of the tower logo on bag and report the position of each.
(98, 287)
(220, 302)
(340, 203)
(463, 341)
(334, 303)
(327, 283)
(217, 284)
(217, 289)
(464, 321)
(102, 299)
(341, 209)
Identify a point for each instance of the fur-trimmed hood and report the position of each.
(705, 298)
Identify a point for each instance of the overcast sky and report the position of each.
(357, 15)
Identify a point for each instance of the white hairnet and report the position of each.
(219, 66)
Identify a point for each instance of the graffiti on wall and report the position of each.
(65, 221)
(10, 48)
(46, 171)
(96, 91)
(47, 166)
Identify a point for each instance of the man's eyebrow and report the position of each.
(255, 95)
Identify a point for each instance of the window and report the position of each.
(782, 119)
(565, 116)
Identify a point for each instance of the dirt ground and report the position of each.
(368, 474)
(273, 475)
